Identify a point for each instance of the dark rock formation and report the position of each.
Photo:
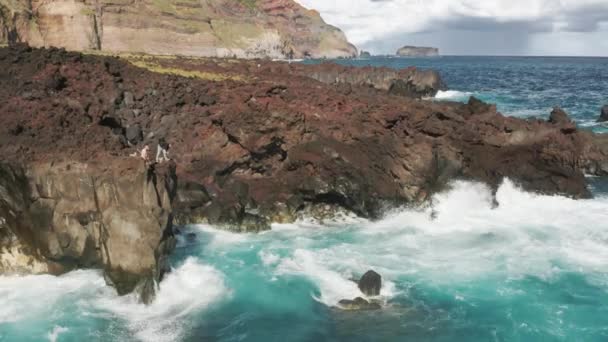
(604, 114)
(370, 283)
(358, 304)
(417, 51)
(365, 54)
(560, 118)
(410, 82)
(253, 142)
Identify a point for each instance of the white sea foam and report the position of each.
(461, 239)
(23, 297)
(54, 334)
(189, 289)
(453, 95)
(526, 235)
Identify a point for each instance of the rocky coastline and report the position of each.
(252, 143)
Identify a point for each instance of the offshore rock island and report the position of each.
(416, 51)
(252, 143)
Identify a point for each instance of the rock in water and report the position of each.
(370, 283)
(604, 114)
(358, 304)
(417, 51)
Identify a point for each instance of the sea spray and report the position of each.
(533, 268)
(188, 290)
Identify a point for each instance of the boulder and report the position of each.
(370, 283)
(560, 117)
(134, 134)
(604, 114)
(358, 304)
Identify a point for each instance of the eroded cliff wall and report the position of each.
(243, 28)
(55, 217)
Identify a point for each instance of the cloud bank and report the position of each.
(573, 27)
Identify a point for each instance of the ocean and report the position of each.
(533, 269)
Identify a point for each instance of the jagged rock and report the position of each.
(134, 134)
(409, 82)
(560, 117)
(604, 114)
(72, 215)
(358, 304)
(477, 106)
(370, 283)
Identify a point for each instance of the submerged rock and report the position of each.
(358, 304)
(370, 283)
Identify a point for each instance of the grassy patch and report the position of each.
(249, 3)
(203, 75)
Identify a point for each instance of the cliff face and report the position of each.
(415, 51)
(61, 216)
(243, 28)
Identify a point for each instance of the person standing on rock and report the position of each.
(144, 153)
(162, 151)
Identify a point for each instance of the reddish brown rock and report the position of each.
(256, 142)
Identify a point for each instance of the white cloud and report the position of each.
(366, 22)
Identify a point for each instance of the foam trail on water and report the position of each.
(189, 289)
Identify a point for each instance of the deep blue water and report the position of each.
(520, 86)
(534, 269)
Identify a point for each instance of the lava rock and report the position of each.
(134, 134)
(358, 304)
(604, 114)
(370, 283)
(128, 99)
(560, 117)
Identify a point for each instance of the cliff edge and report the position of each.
(217, 28)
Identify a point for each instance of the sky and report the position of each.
(472, 27)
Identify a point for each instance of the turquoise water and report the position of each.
(520, 86)
(535, 269)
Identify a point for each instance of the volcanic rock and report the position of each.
(134, 134)
(278, 140)
(358, 304)
(560, 117)
(604, 114)
(370, 284)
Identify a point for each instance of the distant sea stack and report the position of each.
(211, 28)
(417, 51)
